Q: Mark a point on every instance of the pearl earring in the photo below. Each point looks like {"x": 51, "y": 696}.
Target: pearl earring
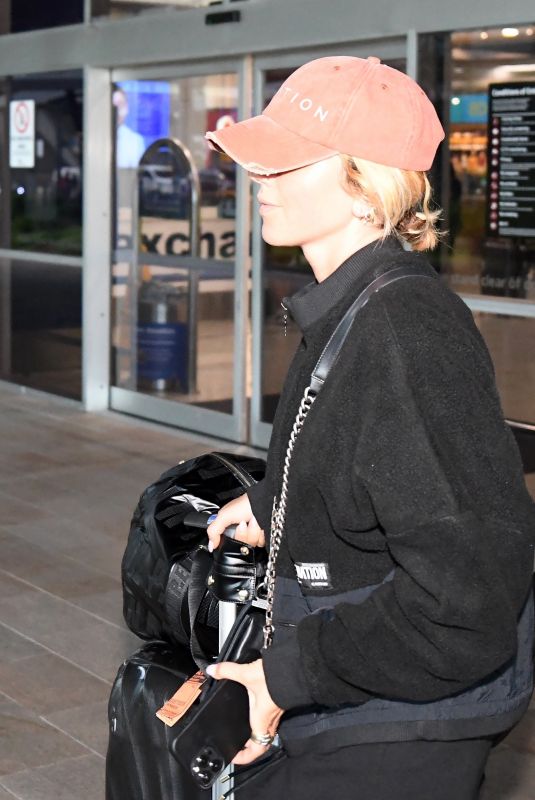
{"x": 368, "y": 216}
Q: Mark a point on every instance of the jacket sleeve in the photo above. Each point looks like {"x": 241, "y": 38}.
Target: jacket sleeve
{"x": 442, "y": 473}
{"x": 261, "y": 498}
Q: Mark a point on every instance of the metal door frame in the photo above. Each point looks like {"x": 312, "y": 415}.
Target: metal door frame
{"x": 386, "y": 49}
{"x": 183, "y": 415}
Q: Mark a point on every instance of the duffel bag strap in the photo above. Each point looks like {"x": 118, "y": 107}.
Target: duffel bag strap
{"x": 200, "y": 569}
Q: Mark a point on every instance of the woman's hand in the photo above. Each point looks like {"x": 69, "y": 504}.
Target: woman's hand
{"x": 264, "y": 715}
{"x": 237, "y": 512}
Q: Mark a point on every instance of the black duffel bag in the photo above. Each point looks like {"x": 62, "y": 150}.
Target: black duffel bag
{"x": 161, "y": 550}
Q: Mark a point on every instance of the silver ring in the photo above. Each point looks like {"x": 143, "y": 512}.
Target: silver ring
{"x": 263, "y": 739}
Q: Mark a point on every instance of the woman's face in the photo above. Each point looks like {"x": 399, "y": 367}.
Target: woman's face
{"x": 305, "y": 206}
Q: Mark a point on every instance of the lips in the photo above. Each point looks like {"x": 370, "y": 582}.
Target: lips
{"x": 263, "y": 202}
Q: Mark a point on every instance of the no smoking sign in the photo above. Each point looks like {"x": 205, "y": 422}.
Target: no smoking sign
{"x": 22, "y": 134}
{"x": 22, "y": 116}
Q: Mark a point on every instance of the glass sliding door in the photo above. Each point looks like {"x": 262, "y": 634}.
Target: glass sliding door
{"x": 41, "y": 182}
{"x": 177, "y": 345}
{"x": 483, "y": 82}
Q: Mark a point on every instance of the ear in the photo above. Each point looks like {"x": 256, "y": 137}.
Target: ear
{"x": 362, "y": 211}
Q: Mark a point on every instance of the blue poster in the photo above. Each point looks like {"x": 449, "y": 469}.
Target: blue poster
{"x": 163, "y": 352}
{"x": 469, "y": 108}
{"x": 143, "y": 115}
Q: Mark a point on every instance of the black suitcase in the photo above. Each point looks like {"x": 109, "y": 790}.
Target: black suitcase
{"x": 139, "y": 765}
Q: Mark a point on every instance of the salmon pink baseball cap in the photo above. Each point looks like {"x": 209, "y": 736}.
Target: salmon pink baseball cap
{"x": 333, "y": 105}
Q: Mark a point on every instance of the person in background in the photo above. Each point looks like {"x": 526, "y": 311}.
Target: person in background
{"x": 130, "y": 144}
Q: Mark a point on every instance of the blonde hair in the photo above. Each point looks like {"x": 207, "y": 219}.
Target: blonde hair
{"x": 399, "y": 201}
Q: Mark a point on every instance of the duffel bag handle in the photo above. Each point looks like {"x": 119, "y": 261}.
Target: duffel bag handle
{"x": 237, "y": 566}
{"x": 230, "y": 573}
{"x": 237, "y": 569}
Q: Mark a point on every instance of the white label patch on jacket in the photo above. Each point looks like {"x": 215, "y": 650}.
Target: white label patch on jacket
{"x": 313, "y": 576}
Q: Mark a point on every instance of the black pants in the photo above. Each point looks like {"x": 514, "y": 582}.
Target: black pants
{"x": 395, "y": 771}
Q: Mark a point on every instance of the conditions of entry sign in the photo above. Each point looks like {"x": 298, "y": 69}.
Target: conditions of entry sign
{"x": 22, "y": 133}
{"x": 511, "y": 160}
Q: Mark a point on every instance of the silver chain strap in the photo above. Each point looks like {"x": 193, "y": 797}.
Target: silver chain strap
{"x": 278, "y": 515}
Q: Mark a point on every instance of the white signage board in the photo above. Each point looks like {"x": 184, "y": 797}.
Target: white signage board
{"x": 22, "y": 133}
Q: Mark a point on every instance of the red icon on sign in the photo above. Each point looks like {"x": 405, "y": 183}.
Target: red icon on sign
{"x": 22, "y": 117}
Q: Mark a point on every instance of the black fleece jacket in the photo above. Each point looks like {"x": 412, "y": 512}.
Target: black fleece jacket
{"x": 405, "y": 463}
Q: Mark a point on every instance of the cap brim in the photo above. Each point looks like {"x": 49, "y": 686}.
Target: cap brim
{"x": 264, "y": 147}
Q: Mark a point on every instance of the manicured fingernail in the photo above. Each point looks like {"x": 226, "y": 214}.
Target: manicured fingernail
{"x": 210, "y": 546}
{"x": 242, "y": 526}
{"x": 210, "y": 670}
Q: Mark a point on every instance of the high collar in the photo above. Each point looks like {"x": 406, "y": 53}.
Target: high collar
{"x": 314, "y": 300}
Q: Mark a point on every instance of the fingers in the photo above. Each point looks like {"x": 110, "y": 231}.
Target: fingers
{"x": 251, "y": 751}
{"x": 250, "y": 533}
{"x": 237, "y": 512}
{"x": 215, "y": 530}
{"x": 228, "y": 669}
{"x": 230, "y": 514}
{"x": 213, "y": 541}
{"x": 219, "y": 524}
{"x": 248, "y": 674}
{"x": 264, "y": 715}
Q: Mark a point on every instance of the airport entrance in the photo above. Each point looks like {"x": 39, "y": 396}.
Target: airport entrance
{"x": 179, "y": 271}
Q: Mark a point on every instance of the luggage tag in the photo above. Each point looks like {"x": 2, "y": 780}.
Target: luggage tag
{"x": 177, "y": 705}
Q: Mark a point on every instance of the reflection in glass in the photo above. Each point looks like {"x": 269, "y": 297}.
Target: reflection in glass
{"x": 511, "y": 341}
{"x": 40, "y": 326}
{"x": 42, "y": 205}
{"x": 173, "y": 276}
{"x": 457, "y": 70}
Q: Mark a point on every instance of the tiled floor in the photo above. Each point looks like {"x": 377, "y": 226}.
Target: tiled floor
{"x": 68, "y": 484}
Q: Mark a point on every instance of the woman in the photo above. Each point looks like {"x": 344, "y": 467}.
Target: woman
{"x": 403, "y": 615}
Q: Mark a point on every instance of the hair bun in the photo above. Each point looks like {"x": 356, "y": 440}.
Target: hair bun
{"x": 400, "y": 198}
{"x": 418, "y": 228}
